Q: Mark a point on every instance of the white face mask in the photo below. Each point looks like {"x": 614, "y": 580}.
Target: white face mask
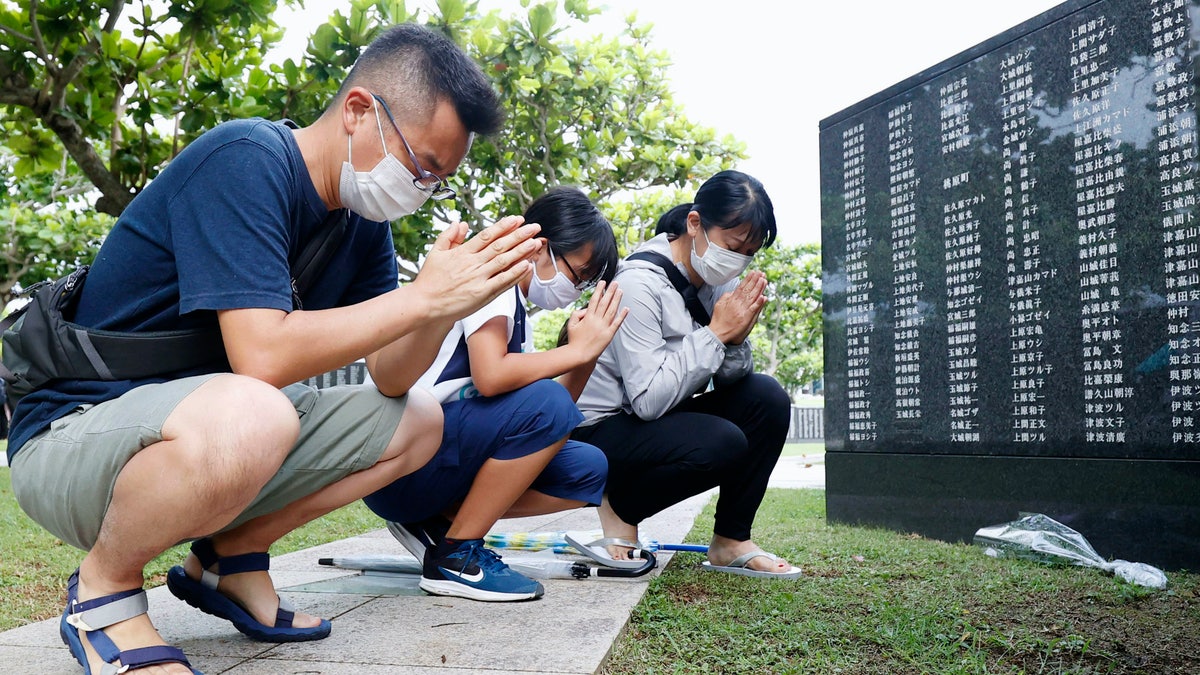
{"x": 557, "y": 293}
{"x": 718, "y": 265}
{"x": 386, "y": 192}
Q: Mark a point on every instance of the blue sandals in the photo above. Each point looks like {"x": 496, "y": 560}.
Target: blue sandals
{"x": 204, "y": 596}
{"x": 93, "y": 616}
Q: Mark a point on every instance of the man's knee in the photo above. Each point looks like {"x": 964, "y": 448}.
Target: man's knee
{"x": 240, "y": 405}
{"x": 243, "y": 418}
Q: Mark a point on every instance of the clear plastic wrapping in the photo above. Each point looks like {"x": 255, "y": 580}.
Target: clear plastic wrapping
{"x": 1038, "y": 537}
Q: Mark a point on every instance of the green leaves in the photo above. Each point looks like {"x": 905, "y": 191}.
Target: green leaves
{"x": 323, "y": 40}
{"x": 35, "y": 152}
{"x": 541, "y": 21}
{"x": 788, "y": 341}
{"x": 453, "y": 11}
{"x": 36, "y": 241}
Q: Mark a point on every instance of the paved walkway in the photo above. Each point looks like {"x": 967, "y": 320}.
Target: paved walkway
{"x": 402, "y": 631}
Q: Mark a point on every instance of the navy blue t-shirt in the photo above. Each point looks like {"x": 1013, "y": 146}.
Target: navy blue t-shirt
{"x": 215, "y": 230}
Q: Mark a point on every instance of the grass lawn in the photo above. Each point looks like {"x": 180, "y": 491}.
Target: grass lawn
{"x": 802, "y": 449}
{"x": 883, "y": 603}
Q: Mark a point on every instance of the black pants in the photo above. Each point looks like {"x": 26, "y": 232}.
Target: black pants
{"x": 730, "y": 438}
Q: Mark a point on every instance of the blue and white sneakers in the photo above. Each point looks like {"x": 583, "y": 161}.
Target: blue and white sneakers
{"x": 475, "y": 572}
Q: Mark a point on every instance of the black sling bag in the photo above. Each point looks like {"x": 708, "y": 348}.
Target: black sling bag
{"x": 691, "y": 299}
{"x": 42, "y": 344}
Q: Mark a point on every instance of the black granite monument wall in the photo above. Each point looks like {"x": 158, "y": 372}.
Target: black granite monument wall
{"x": 1012, "y": 286}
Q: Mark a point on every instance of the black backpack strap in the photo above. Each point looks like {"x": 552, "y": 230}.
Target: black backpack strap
{"x": 6, "y": 323}
{"x": 691, "y": 299}
{"x": 317, "y": 253}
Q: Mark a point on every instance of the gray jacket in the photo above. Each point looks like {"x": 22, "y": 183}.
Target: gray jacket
{"x": 660, "y": 356}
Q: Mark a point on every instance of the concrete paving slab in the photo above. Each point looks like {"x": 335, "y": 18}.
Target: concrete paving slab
{"x": 281, "y": 667}
{"x": 36, "y": 660}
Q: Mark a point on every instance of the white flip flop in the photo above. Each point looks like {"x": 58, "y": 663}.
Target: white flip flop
{"x": 740, "y": 565}
{"x": 597, "y": 550}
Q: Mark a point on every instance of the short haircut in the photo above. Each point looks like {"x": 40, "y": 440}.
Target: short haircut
{"x": 731, "y": 199}
{"x": 412, "y": 67}
{"x": 571, "y": 221}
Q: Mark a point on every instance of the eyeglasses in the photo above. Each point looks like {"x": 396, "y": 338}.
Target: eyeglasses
{"x": 429, "y": 182}
{"x": 580, "y": 283}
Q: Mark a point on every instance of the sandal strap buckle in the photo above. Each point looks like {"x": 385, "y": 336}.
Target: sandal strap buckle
{"x": 103, "y": 612}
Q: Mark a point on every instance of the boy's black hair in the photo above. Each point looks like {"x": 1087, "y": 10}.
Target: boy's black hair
{"x": 571, "y": 221}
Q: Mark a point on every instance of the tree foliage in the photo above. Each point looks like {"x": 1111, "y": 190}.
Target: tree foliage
{"x": 97, "y": 98}
{"x": 787, "y": 341}
{"x": 121, "y": 92}
{"x": 35, "y": 247}
{"x": 106, "y": 94}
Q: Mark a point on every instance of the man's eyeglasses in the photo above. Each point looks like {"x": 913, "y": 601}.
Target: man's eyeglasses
{"x": 429, "y": 182}
{"x": 580, "y": 283}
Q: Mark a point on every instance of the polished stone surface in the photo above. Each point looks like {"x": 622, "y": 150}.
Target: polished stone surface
{"x": 1011, "y": 257}
{"x": 1010, "y": 248}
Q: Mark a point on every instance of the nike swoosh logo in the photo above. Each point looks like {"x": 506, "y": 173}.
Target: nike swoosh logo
{"x": 470, "y": 578}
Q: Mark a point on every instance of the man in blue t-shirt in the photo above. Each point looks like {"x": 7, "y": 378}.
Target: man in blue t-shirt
{"x": 234, "y": 456}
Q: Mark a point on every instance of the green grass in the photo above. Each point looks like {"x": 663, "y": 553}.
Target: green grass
{"x": 875, "y": 601}
{"x": 800, "y": 449}
{"x": 35, "y": 564}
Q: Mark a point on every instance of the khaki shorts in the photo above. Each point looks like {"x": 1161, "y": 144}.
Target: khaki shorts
{"x": 64, "y": 477}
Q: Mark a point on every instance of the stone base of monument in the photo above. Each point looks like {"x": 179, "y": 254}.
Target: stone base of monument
{"x": 1138, "y": 510}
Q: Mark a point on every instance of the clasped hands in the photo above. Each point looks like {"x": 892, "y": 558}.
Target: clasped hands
{"x": 735, "y": 314}
{"x": 461, "y": 275}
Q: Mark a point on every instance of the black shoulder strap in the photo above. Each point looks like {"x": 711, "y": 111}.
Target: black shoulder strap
{"x": 319, "y": 250}
{"x": 317, "y": 254}
{"x": 691, "y": 299}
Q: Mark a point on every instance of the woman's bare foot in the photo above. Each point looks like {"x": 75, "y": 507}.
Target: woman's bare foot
{"x": 254, "y": 591}
{"x": 723, "y": 550}
{"x": 129, "y": 634}
{"x": 616, "y": 528}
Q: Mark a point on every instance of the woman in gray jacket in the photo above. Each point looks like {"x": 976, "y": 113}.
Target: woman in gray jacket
{"x": 674, "y": 402}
